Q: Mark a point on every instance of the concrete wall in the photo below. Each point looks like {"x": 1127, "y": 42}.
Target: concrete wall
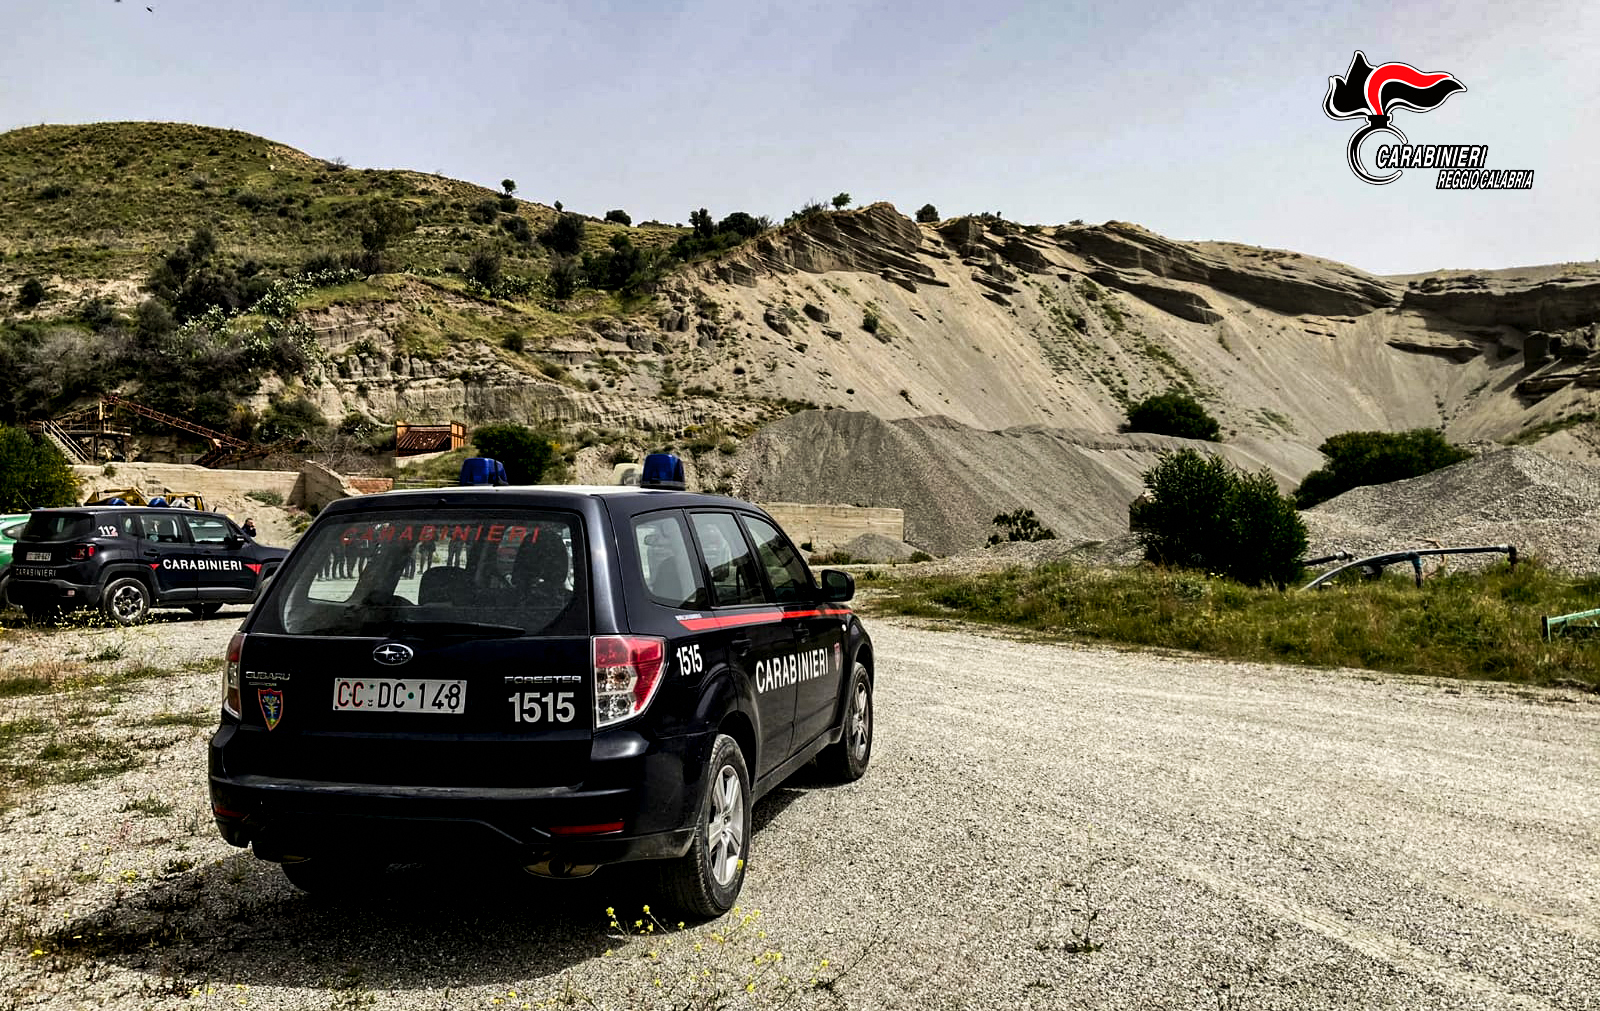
{"x": 157, "y": 478}
{"x": 832, "y": 526}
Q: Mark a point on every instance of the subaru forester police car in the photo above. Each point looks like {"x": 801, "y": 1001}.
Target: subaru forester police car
{"x": 554, "y": 677}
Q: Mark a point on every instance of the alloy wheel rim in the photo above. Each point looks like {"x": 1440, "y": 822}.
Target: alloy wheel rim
{"x": 860, "y": 722}
{"x": 725, "y": 826}
{"x": 126, "y": 603}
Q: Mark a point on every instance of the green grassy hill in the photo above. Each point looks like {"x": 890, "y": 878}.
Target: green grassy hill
{"x": 100, "y": 202}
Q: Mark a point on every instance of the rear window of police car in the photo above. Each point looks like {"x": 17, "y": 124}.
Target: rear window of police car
{"x": 508, "y": 571}
{"x": 58, "y": 527}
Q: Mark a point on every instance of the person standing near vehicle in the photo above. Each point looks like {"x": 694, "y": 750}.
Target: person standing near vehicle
{"x": 249, "y": 528}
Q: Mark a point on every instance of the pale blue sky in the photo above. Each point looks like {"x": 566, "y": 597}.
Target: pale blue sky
{"x": 1198, "y": 121}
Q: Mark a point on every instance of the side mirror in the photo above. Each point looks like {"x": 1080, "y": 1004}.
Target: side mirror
{"x": 837, "y": 586}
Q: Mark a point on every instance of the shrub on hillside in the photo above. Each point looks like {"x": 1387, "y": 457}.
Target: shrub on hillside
{"x": 524, "y": 452}
{"x": 33, "y": 473}
{"x": 927, "y": 214}
{"x": 1202, "y": 513}
{"x": 1173, "y": 413}
{"x": 1363, "y": 458}
{"x": 619, "y": 216}
{"x": 32, "y": 293}
{"x": 483, "y": 268}
{"x": 564, "y": 277}
{"x": 1021, "y": 525}
{"x": 294, "y": 418}
{"x": 565, "y": 234}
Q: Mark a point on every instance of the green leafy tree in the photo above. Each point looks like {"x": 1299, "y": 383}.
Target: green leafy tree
{"x": 1199, "y": 512}
{"x": 620, "y": 216}
{"x": 33, "y": 473}
{"x": 841, "y": 201}
{"x": 1173, "y": 413}
{"x": 1021, "y": 525}
{"x": 565, "y": 234}
{"x": 509, "y": 186}
{"x": 700, "y": 221}
{"x": 927, "y": 214}
{"x": 741, "y": 224}
{"x": 1362, "y": 458}
{"x": 524, "y": 452}
{"x": 383, "y": 222}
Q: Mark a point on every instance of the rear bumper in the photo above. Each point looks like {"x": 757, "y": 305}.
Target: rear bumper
{"x": 652, "y": 788}
{"x": 51, "y": 593}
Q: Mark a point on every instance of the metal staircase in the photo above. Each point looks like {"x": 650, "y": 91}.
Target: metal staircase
{"x": 61, "y": 440}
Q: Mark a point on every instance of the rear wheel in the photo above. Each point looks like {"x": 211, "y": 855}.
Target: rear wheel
{"x": 847, "y": 760}
{"x": 706, "y": 880}
{"x": 126, "y": 601}
{"x": 204, "y": 610}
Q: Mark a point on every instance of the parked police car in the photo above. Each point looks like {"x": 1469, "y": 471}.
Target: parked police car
{"x": 559, "y": 677}
{"x": 128, "y": 559}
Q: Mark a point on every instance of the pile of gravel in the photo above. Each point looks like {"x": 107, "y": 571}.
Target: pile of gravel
{"x": 870, "y": 547}
{"x": 1549, "y": 509}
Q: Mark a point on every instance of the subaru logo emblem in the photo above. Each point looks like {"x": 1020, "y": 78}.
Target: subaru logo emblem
{"x": 392, "y": 654}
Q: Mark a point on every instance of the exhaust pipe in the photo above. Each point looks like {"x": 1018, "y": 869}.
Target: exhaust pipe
{"x": 556, "y": 867}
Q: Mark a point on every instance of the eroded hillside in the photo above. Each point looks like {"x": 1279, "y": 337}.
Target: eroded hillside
{"x": 1004, "y": 354}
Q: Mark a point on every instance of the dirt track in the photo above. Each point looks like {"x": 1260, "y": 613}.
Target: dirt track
{"x": 1218, "y": 834}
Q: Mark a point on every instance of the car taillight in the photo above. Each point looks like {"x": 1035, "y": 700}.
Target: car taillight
{"x": 627, "y": 671}
{"x": 82, "y": 552}
{"x": 230, "y": 676}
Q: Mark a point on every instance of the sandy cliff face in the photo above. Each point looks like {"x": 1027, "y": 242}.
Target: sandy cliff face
{"x": 981, "y": 361}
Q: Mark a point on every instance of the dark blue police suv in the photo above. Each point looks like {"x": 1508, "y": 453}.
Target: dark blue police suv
{"x": 559, "y": 677}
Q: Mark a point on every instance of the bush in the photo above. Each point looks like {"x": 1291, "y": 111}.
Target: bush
{"x": 841, "y": 201}
{"x": 485, "y": 211}
{"x": 32, "y": 293}
{"x": 1362, "y": 458}
{"x": 1173, "y": 414}
{"x": 292, "y": 419}
{"x": 1201, "y": 513}
{"x": 870, "y": 322}
{"x": 517, "y": 227}
{"x": 33, "y": 473}
{"x": 619, "y": 216}
{"x": 564, "y": 276}
{"x": 1021, "y": 525}
{"x": 484, "y": 267}
{"x": 927, "y": 213}
{"x": 565, "y": 235}
{"x": 742, "y": 224}
{"x": 524, "y": 453}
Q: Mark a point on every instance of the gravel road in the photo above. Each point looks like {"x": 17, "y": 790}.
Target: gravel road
{"x": 1043, "y": 826}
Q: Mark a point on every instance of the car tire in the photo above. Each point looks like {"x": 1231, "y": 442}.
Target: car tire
{"x": 846, "y": 761}
{"x": 705, "y": 881}
{"x": 125, "y": 601}
{"x": 204, "y": 610}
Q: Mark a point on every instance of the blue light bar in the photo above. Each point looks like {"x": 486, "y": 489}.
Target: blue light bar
{"x": 663, "y": 470}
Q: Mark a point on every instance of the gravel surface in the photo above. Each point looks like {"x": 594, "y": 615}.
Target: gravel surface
{"x": 1042, "y": 826}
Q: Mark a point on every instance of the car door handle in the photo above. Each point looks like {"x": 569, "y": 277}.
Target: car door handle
{"x": 741, "y": 645}
{"x": 151, "y": 553}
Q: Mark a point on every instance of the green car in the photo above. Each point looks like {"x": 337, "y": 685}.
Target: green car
{"x": 10, "y": 529}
